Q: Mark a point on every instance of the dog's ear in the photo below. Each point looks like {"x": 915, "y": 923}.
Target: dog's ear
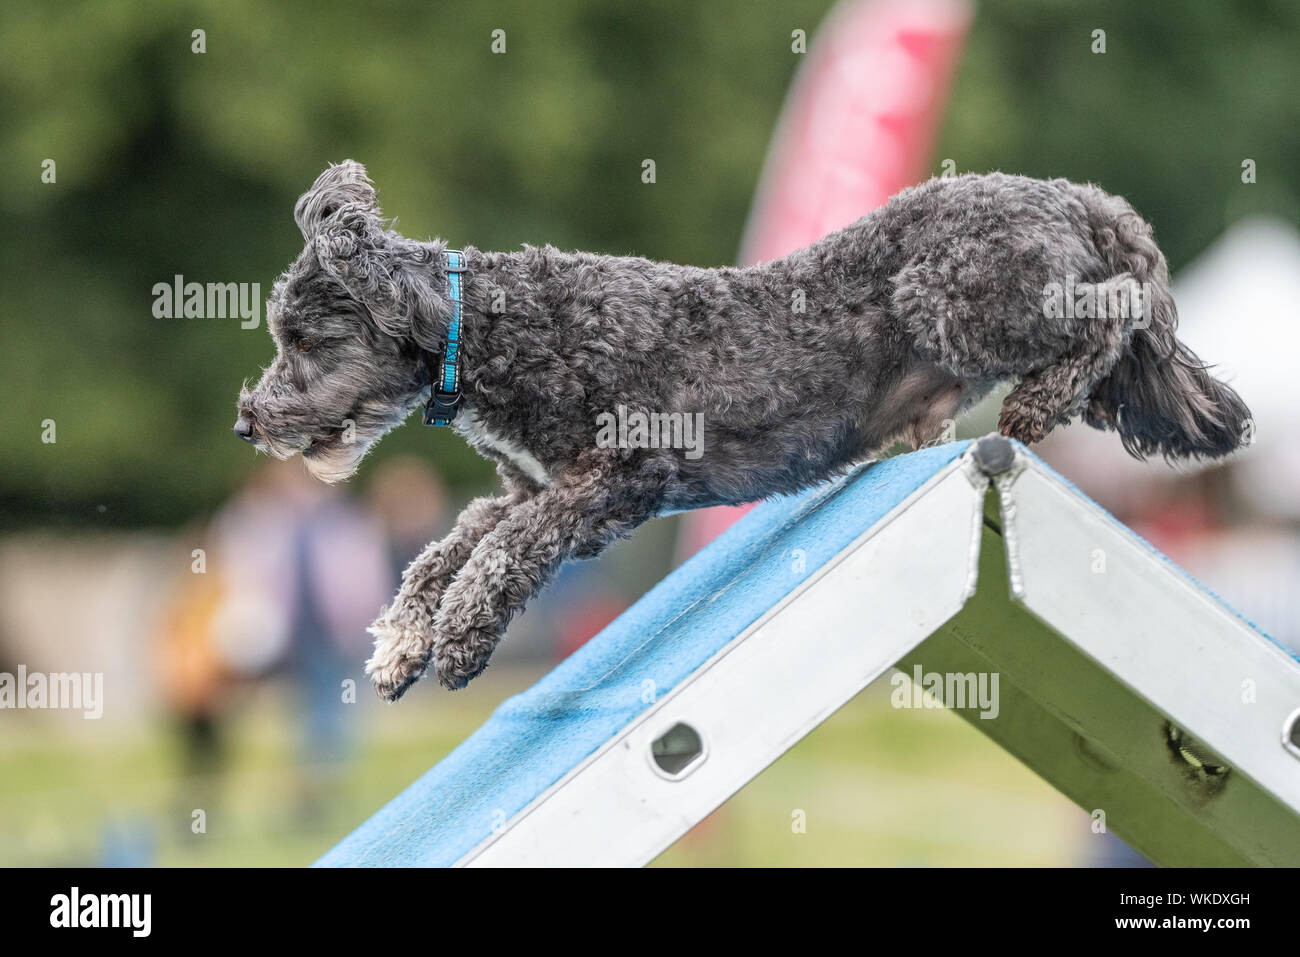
{"x": 342, "y": 185}
{"x": 393, "y": 277}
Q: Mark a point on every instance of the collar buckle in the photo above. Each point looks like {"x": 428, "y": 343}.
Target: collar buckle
{"x": 441, "y": 407}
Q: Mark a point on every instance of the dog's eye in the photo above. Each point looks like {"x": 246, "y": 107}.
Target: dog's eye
{"x": 307, "y": 344}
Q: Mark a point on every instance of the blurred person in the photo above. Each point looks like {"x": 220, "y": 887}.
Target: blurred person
{"x": 195, "y": 683}
{"x": 305, "y": 568}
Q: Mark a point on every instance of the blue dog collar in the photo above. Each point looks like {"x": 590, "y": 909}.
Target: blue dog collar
{"x": 444, "y": 394}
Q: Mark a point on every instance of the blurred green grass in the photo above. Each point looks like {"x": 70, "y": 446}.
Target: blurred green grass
{"x": 877, "y": 786}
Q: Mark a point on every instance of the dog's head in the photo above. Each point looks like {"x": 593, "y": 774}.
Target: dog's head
{"x": 351, "y": 320}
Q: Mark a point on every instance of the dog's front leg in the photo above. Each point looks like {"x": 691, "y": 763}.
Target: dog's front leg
{"x": 521, "y": 554}
{"x": 403, "y": 632}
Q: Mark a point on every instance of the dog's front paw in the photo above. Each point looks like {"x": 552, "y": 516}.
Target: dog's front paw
{"x": 466, "y": 635}
{"x": 400, "y": 658}
{"x": 461, "y": 660}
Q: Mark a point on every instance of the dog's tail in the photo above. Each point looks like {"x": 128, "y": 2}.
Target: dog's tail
{"x": 1159, "y": 396}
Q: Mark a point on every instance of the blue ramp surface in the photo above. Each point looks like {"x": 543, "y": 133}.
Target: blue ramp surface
{"x": 537, "y": 737}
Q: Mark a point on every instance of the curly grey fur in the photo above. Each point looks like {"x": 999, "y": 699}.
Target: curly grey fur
{"x": 800, "y": 367}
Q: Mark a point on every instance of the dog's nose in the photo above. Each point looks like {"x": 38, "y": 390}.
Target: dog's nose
{"x": 244, "y": 427}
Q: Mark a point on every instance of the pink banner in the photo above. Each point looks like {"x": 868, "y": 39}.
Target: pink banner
{"x": 858, "y": 126}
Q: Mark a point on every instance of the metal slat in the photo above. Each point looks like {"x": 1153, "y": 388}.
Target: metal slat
{"x": 1136, "y": 658}
{"x": 1082, "y": 729}
{"x": 760, "y": 694}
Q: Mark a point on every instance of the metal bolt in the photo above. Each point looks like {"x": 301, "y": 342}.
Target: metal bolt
{"x": 994, "y": 454}
{"x": 1291, "y": 733}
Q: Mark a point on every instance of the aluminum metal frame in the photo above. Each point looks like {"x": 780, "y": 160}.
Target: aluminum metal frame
{"x": 1132, "y": 689}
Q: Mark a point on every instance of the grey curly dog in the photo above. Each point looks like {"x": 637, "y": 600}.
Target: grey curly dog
{"x": 799, "y": 368}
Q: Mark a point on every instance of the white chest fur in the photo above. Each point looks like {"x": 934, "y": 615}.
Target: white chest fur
{"x": 479, "y": 436}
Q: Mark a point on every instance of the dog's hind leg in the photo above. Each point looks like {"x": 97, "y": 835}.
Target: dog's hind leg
{"x": 1039, "y": 402}
{"x": 1055, "y": 394}
{"x": 403, "y": 632}
{"x": 980, "y": 315}
{"x": 577, "y": 517}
